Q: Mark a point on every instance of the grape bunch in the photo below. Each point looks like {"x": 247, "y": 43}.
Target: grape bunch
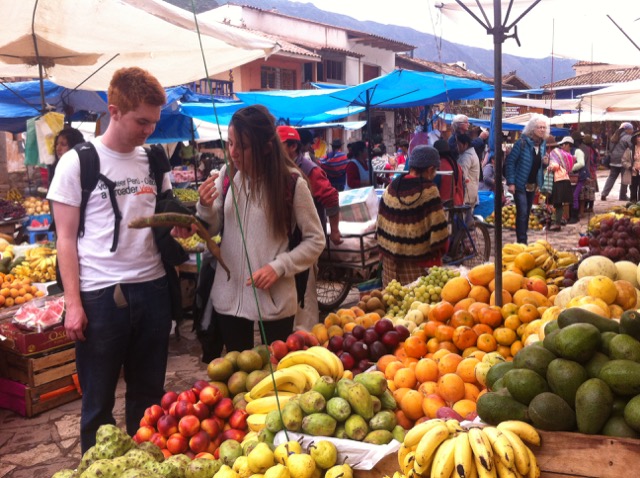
{"x": 427, "y": 289}
{"x": 11, "y": 210}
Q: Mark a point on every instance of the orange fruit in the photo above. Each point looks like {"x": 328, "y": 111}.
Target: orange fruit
{"x": 399, "y": 394}
{"x": 448, "y": 345}
{"x": 444, "y": 332}
{"x": 432, "y": 345}
{"x": 487, "y": 343}
{"x": 491, "y": 316}
{"x": 505, "y": 336}
{"x": 515, "y": 347}
{"x": 478, "y": 354}
{"x": 405, "y": 378}
{"x": 411, "y": 404}
{"x": 403, "y": 420}
{"x": 438, "y": 354}
{"x": 466, "y": 369}
{"x": 528, "y": 313}
{"x": 19, "y": 300}
{"x": 449, "y": 363}
{"x": 451, "y": 387}
{"x": 14, "y": 293}
{"x": 471, "y": 391}
{"x": 442, "y": 311}
{"x": 430, "y": 328}
{"x": 479, "y": 293}
{"x": 482, "y": 329}
{"x": 8, "y": 302}
{"x": 5, "y": 292}
{"x": 431, "y": 404}
{"x": 464, "y": 407}
{"x": 400, "y": 352}
{"x": 509, "y": 309}
{"x": 512, "y": 322}
{"x": 461, "y": 317}
{"x": 385, "y": 360}
{"x": 464, "y": 337}
{"x": 427, "y": 370}
{"x": 504, "y": 350}
{"x": 415, "y": 347}
{"x": 463, "y": 304}
{"x": 392, "y": 368}
{"x": 427, "y": 388}
{"x": 506, "y": 297}
{"x": 469, "y": 351}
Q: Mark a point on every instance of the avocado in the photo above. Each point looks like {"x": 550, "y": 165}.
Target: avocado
{"x": 605, "y": 342}
{"x": 498, "y": 385}
{"x": 578, "y": 342}
{"x": 632, "y": 413}
{"x": 630, "y": 323}
{"x": 576, "y": 315}
{"x": 534, "y": 358}
{"x": 622, "y": 376}
{"x": 524, "y": 384}
{"x": 594, "y": 403}
{"x": 551, "y": 326}
{"x": 496, "y": 372}
{"x": 564, "y": 377}
{"x": 617, "y": 427}
{"x": 549, "y": 342}
{"x": 595, "y": 363}
{"x": 618, "y": 405}
{"x": 496, "y": 407}
{"x": 624, "y": 346}
{"x": 549, "y": 411}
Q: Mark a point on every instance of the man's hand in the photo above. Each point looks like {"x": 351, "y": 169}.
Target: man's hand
{"x": 263, "y": 278}
{"x": 511, "y": 188}
{"x": 75, "y": 321}
{"x": 184, "y": 232}
{"x": 335, "y": 237}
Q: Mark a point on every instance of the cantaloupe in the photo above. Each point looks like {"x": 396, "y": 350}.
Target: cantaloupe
{"x": 597, "y": 265}
{"x": 628, "y": 271}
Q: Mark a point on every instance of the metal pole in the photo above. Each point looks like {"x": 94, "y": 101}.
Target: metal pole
{"x": 369, "y": 146}
{"x": 498, "y": 38}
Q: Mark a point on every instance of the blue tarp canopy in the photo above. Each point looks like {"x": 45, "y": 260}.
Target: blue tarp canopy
{"x": 506, "y": 126}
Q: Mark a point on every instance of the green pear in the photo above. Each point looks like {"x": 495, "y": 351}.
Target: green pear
{"x": 282, "y": 451}
{"x": 261, "y": 458}
{"x": 301, "y": 465}
{"x": 277, "y": 471}
{"x": 324, "y": 453}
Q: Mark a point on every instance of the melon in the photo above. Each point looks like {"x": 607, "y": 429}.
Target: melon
{"x": 597, "y": 265}
{"x": 563, "y": 298}
{"x": 455, "y": 290}
{"x": 482, "y": 274}
{"x": 628, "y": 271}
{"x": 579, "y": 288}
{"x": 603, "y": 288}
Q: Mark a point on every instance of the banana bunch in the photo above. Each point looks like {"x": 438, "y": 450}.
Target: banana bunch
{"x": 296, "y": 379}
{"x": 594, "y": 222}
{"x": 546, "y": 256}
{"x": 14, "y": 195}
{"x": 25, "y": 271}
{"x": 323, "y": 360}
{"x": 443, "y": 449}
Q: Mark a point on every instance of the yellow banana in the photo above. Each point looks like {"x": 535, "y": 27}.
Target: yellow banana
{"x": 482, "y": 472}
{"x": 520, "y": 454}
{"x": 256, "y": 422}
{"x": 266, "y": 404}
{"x": 523, "y": 429}
{"x": 430, "y": 442}
{"x": 402, "y": 454}
{"x": 407, "y": 464}
{"x": 502, "y": 449}
{"x": 305, "y": 357}
{"x": 534, "y": 469}
{"x": 481, "y": 449}
{"x": 443, "y": 461}
{"x": 291, "y": 380}
{"x": 454, "y": 426}
{"x": 413, "y": 436}
{"x": 508, "y": 257}
{"x": 567, "y": 261}
{"x": 424, "y": 469}
{"x": 503, "y": 471}
{"x": 541, "y": 259}
{"x": 310, "y": 373}
{"x": 463, "y": 456}
{"x": 328, "y": 357}
{"x": 513, "y": 248}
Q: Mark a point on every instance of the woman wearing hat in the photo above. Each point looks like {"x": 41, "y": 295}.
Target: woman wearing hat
{"x": 620, "y": 142}
{"x": 412, "y": 228}
{"x": 561, "y": 163}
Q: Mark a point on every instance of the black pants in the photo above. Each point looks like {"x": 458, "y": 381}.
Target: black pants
{"x": 237, "y": 333}
{"x": 634, "y": 193}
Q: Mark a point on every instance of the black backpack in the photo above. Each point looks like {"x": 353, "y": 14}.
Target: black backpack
{"x": 173, "y": 254}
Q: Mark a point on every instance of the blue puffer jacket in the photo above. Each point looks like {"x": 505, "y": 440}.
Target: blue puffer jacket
{"x": 520, "y": 160}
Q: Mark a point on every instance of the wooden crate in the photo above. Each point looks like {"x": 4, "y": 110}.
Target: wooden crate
{"x": 574, "y": 455}
{"x": 38, "y": 370}
{"x": 29, "y": 401}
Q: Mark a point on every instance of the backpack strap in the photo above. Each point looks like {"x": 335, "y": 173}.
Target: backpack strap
{"x": 158, "y": 165}
{"x": 89, "y": 176}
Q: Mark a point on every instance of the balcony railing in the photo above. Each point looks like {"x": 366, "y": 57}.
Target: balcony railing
{"x": 219, "y": 88}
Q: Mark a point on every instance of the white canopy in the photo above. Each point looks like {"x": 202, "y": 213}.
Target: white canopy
{"x": 545, "y": 104}
{"x": 595, "y": 117}
{"x": 616, "y": 98}
{"x": 90, "y": 39}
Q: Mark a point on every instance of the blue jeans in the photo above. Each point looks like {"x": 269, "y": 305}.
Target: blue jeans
{"x": 134, "y": 337}
{"x": 524, "y": 202}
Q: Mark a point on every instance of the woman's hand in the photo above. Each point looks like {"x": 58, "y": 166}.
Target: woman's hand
{"x": 207, "y": 190}
{"x": 263, "y": 278}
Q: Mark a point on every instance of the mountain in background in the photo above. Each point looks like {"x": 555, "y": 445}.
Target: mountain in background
{"x": 534, "y": 71}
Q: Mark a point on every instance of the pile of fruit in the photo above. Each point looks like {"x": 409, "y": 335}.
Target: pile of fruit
{"x": 537, "y": 219}
{"x": 14, "y": 195}
{"x": 585, "y": 377}
{"x": 538, "y": 258}
{"x": 10, "y": 210}
{"x": 192, "y": 243}
{"x": 38, "y": 264}
{"x": 14, "y": 291}
{"x": 443, "y": 448}
{"x": 34, "y": 206}
{"x": 615, "y": 238}
{"x": 186, "y": 195}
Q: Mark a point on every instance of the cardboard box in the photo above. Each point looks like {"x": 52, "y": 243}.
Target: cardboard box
{"x": 30, "y": 343}
{"x": 29, "y": 401}
{"x": 40, "y": 369}
{"x": 358, "y": 205}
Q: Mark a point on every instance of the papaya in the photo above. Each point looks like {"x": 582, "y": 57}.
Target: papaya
{"x": 577, "y": 315}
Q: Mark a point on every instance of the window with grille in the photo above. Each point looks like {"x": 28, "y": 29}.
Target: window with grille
{"x": 277, "y": 78}
{"x": 334, "y": 70}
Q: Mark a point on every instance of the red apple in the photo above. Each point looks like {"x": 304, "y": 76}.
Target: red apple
{"x": 279, "y": 349}
{"x": 359, "y": 350}
{"x": 215, "y": 443}
{"x": 199, "y": 443}
{"x": 167, "y": 425}
{"x": 152, "y": 414}
{"x": 233, "y": 434}
{"x": 238, "y": 419}
{"x": 166, "y": 453}
{"x": 210, "y": 395}
{"x": 143, "y": 422}
{"x": 188, "y": 395}
{"x": 537, "y": 284}
{"x": 382, "y": 326}
{"x": 198, "y": 385}
{"x": 224, "y": 408}
{"x": 158, "y": 440}
{"x": 377, "y": 350}
{"x": 336, "y": 343}
{"x": 206, "y": 455}
{"x": 183, "y": 408}
{"x": 358, "y": 331}
{"x": 145, "y": 433}
{"x": 311, "y": 340}
{"x": 391, "y": 339}
{"x": 347, "y": 341}
{"x": 189, "y": 454}
{"x": 370, "y": 336}
{"x": 189, "y": 425}
{"x": 221, "y": 421}
{"x": 201, "y": 410}
{"x": 167, "y": 399}
{"x": 295, "y": 342}
{"x": 211, "y": 427}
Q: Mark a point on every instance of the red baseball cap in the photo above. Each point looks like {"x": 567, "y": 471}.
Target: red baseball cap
{"x": 288, "y": 133}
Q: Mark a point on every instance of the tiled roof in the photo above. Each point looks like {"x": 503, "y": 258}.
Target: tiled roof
{"x": 604, "y": 77}
{"x": 287, "y": 46}
{"x": 444, "y": 68}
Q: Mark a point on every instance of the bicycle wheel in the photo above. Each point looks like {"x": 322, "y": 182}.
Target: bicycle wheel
{"x": 472, "y": 245}
{"x": 333, "y": 286}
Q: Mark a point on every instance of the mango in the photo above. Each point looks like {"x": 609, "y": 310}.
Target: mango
{"x": 339, "y": 409}
{"x": 378, "y": 437}
{"x": 360, "y": 400}
{"x": 319, "y": 424}
{"x": 374, "y": 382}
{"x": 384, "y": 420}
{"x": 292, "y": 416}
{"x": 356, "y": 428}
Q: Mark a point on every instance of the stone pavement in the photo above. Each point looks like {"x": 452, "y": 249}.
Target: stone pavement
{"x": 38, "y": 447}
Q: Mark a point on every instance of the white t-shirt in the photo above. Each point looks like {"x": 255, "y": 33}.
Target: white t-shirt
{"x": 136, "y": 258}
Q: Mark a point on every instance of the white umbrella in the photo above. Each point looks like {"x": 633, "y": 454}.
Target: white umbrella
{"x": 84, "y": 42}
{"x": 620, "y": 97}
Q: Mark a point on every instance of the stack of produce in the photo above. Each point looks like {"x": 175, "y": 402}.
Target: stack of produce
{"x": 34, "y": 206}
{"x": 585, "y": 377}
{"x": 537, "y": 258}
{"x": 186, "y": 195}
{"x": 37, "y": 265}
{"x": 442, "y": 449}
{"x": 537, "y": 219}
{"x": 615, "y": 238}
{"x": 10, "y": 210}
{"x": 193, "y": 243}
{"x": 14, "y": 291}
{"x": 338, "y": 323}
{"x": 14, "y": 195}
